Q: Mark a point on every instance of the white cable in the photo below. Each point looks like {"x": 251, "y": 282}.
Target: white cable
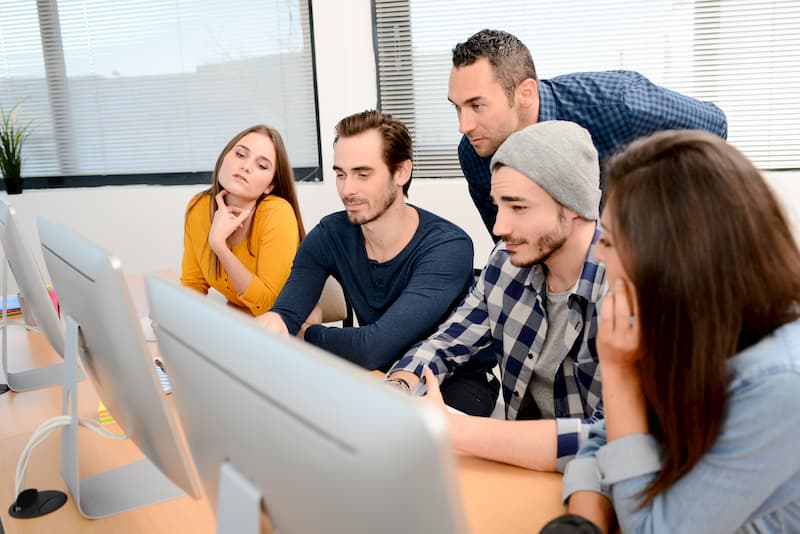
{"x": 97, "y": 427}
{"x": 43, "y": 431}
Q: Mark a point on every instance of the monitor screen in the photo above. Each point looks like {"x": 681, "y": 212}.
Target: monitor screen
{"x": 93, "y": 293}
{"x": 326, "y": 446}
{"x": 32, "y": 287}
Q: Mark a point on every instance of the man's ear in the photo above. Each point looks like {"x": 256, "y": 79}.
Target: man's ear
{"x": 527, "y": 93}
{"x": 403, "y": 173}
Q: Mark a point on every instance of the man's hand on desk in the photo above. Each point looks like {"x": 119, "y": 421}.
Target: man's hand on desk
{"x": 272, "y": 321}
{"x": 408, "y": 382}
{"x": 433, "y": 397}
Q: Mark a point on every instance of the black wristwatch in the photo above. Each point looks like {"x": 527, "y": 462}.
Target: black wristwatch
{"x": 399, "y": 383}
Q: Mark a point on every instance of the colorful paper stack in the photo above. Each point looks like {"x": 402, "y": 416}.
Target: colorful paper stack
{"x": 104, "y": 416}
{"x": 14, "y": 308}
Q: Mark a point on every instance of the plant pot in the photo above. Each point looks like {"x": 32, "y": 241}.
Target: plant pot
{"x": 14, "y": 186}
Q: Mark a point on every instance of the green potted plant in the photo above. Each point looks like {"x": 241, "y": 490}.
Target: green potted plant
{"x": 11, "y": 139}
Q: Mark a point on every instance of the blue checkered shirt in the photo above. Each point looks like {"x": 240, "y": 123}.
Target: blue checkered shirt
{"x": 506, "y": 308}
{"x": 615, "y": 107}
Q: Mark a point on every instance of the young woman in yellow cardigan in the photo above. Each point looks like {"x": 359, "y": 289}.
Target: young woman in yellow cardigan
{"x": 241, "y": 234}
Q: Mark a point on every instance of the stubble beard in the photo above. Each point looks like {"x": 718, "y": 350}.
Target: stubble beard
{"x": 547, "y": 244}
{"x": 362, "y": 219}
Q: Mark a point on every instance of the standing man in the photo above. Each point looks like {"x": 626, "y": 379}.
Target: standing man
{"x": 403, "y": 268}
{"x": 537, "y": 299}
{"x": 495, "y": 91}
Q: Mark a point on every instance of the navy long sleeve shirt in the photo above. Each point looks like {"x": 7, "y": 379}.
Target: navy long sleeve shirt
{"x": 396, "y": 303}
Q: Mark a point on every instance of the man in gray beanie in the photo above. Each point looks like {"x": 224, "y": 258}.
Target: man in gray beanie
{"x": 536, "y": 302}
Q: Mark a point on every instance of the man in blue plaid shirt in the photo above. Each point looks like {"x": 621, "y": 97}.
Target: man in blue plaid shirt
{"x": 495, "y": 91}
{"x": 536, "y": 303}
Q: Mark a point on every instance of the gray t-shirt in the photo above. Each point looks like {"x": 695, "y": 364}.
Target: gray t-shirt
{"x": 540, "y": 388}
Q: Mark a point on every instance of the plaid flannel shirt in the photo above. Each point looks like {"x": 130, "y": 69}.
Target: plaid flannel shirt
{"x": 615, "y": 107}
{"x": 505, "y": 307}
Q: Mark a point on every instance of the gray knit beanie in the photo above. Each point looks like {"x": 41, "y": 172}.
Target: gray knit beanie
{"x": 560, "y": 157}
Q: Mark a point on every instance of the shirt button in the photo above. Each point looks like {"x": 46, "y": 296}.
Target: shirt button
{"x": 378, "y": 283}
{"x": 516, "y": 393}
{"x": 530, "y": 355}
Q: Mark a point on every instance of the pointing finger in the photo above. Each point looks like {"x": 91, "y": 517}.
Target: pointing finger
{"x": 220, "y": 196}
{"x": 607, "y": 310}
{"x": 622, "y": 309}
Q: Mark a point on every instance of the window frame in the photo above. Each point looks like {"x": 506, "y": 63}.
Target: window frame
{"x": 302, "y": 174}
{"x": 709, "y": 50}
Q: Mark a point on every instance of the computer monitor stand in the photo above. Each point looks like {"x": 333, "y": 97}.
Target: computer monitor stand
{"x": 39, "y": 377}
{"x": 118, "y": 490}
{"x": 238, "y": 502}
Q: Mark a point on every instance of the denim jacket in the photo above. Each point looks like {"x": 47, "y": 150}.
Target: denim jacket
{"x": 749, "y": 481}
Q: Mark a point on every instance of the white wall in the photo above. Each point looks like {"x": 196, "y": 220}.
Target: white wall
{"x": 143, "y": 225}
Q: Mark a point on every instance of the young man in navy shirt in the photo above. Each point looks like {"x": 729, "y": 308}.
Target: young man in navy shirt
{"x": 403, "y": 268}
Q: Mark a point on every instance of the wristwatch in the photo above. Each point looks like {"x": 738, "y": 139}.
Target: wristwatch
{"x": 399, "y": 383}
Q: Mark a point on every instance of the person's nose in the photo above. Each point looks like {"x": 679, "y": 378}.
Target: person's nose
{"x": 502, "y": 226}
{"x": 466, "y": 121}
{"x": 347, "y": 187}
{"x": 599, "y": 254}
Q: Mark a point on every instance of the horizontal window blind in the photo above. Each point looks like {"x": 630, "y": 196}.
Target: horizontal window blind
{"x": 742, "y": 55}
{"x": 119, "y": 87}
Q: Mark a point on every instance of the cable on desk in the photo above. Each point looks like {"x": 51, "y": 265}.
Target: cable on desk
{"x": 27, "y": 497}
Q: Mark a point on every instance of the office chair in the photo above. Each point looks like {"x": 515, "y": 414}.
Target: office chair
{"x": 335, "y": 304}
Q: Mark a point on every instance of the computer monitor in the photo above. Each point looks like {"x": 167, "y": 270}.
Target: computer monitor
{"x": 325, "y": 446}
{"x": 38, "y": 303}
{"x": 103, "y": 329}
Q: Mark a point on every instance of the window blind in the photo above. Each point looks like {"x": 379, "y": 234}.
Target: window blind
{"x": 740, "y": 54}
{"x": 154, "y": 86}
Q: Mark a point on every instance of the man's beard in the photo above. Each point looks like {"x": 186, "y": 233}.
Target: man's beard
{"x": 361, "y": 219}
{"x": 548, "y": 244}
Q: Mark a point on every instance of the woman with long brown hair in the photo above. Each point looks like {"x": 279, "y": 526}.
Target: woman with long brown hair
{"x": 241, "y": 234}
{"x": 699, "y": 347}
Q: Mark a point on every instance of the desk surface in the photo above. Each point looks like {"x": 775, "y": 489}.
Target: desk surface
{"x": 21, "y": 413}
{"x": 496, "y": 497}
